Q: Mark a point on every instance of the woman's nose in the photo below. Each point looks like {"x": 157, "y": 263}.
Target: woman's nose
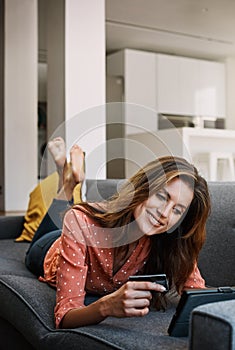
{"x": 165, "y": 210}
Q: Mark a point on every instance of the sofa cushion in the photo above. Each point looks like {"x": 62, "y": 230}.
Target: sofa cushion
{"x": 217, "y": 258}
{"x": 9, "y": 249}
{"x": 12, "y": 258}
{"x": 31, "y": 313}
{"x": 11, "y": 226}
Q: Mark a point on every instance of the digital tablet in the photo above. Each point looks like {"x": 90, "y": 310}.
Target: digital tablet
{"x": 191, "y": 298}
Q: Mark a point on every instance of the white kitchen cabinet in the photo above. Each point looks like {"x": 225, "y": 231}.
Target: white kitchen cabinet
{"x": 188, "y": 81}
{"x": 170, "y": 84}
{"x": 187, "y": 86}
{"x": 167, "y": 78}
{"x": 139, "y": 88}
{"x": 176, "y": 84}
{"x": 210, "y": 92}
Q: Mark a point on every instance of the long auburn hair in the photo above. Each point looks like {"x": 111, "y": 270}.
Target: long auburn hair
{"x": 173, "y": 253}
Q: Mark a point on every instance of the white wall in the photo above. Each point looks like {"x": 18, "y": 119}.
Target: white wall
{"x": 20, "y": 117}
{"x": 230, "y": 93}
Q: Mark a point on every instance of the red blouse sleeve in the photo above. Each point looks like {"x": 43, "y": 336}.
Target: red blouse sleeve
{"x": 72, "y": 269}
{"x": 195, "y": 280}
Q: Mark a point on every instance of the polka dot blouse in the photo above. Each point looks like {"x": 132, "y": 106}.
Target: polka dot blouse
{"x": 81, "y": 261}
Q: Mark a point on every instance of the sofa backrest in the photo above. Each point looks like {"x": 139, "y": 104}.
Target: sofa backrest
{"x": 217, "y": 258}
{"x": 98, "y": 190}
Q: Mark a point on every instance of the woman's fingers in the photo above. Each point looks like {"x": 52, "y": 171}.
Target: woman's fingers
{"x": 132, "y": 299}
{"x": 147, "y": 286}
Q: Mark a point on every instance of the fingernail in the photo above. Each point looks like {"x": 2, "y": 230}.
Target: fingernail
{"x": 162, "y": 289}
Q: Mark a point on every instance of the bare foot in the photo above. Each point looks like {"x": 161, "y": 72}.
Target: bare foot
{"x": 77, "y": 163}
{"x": 73, "y": 173}
{"x": 58, "y": 151}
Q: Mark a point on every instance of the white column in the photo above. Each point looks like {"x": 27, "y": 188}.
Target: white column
{"x": 76, "y": 78}
{"x": 20, "y": 101}
{"x": 85, "y": 81}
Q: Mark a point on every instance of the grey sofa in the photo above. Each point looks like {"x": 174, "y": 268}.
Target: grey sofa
{"x": 26, "y": 305}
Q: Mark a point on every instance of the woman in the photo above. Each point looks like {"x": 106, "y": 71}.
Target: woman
{"x": 155, "y": 224}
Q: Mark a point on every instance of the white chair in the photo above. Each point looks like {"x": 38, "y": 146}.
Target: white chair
{"x": 216, "y": 166}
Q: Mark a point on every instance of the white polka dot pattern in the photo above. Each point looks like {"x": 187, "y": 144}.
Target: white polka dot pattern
{"x": 195, "y": 280}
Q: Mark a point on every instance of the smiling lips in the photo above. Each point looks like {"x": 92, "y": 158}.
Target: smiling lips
{"x": 154, "y": 221}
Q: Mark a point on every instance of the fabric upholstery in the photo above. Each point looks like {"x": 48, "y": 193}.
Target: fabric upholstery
{"x": 33, "y": 303}
{"x": 11, "y": 226}
{"x": 99, "y": 190}
{"x": 218, "y": 252}
{"x": 12, "y": 258}
{"x": 213, "y": 326}
{"x": 10, "y": 336}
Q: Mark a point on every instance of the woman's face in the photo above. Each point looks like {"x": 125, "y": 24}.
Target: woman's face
{"x": 160, "y": 212}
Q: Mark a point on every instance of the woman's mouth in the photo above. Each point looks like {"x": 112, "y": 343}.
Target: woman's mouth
{"x": 154, "y": 221}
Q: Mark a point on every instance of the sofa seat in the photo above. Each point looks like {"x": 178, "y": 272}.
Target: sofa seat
{"x": 27, "y": 305}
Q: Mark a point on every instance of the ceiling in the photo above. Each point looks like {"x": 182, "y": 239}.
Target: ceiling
{"x": 196, "y": 28}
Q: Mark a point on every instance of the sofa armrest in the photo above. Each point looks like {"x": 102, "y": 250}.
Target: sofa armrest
{"x": 213, "y": 326}
{"x": 11, "y": 226}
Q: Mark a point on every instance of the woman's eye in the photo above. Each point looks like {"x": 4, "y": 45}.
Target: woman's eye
{"x": 177, "y": 211}
{"x": 161, "y": 196}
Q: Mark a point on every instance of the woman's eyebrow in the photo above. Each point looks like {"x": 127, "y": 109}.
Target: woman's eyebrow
{"x": 182, "y": 206}
{"x": 165, "y": 192}
{"x": 168, "y": 197}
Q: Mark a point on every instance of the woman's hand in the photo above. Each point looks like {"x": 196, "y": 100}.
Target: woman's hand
{"x": 132, "y": 299}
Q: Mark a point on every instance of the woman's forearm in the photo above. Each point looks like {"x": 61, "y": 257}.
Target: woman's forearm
{"x": 91, "y": 314}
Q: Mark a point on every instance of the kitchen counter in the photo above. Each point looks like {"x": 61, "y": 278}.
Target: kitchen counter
{"x": 186, "y": 142}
